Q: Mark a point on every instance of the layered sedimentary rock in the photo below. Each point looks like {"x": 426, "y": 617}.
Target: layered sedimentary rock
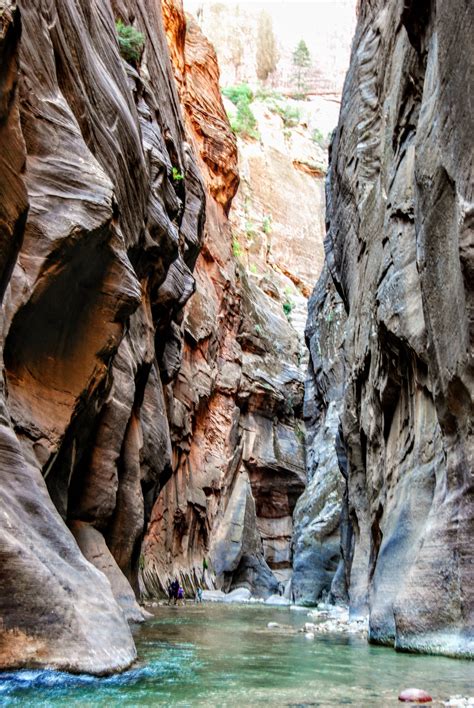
{"x": 103, "y": 208}
{"x": 224, "y": 519}
{"x": 399, "y": 249}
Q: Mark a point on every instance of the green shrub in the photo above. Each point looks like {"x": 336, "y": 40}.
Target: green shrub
{"x": 236, "y": 248}
{"x": 265, "y": 94}
{"x": 131, "y": 42}
{"x": 239, "y": 94}
{"x": 253, "y": 268}
{"x": 291, "y": 115}
{"x": 250, "y": 230}
{"x": 244, "y": 123}
{"x": 267, "y": 224}
{"x": 318, "y": 137}
{"x": 287, "y": 307}
{"x": 176, "y": 175}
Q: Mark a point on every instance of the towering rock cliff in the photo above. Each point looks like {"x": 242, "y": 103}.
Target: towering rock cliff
{"x": 103, "y": 211}
{"x": 139, "y": 439}
{"x": 224, "y": 519}
{"x": 399, "y": 252}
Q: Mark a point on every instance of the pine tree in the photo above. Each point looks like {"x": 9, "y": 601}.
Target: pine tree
{"x": 301, "y": 62}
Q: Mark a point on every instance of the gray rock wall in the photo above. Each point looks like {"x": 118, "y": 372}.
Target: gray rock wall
{"x": 317, "y": 516}
{"x": 399, "y": 249}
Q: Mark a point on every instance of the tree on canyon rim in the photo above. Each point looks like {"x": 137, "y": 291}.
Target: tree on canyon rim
{"x": 266, "y": 51}
{"x": 301, "y": 62}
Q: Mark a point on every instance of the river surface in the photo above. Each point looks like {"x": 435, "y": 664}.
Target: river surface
{"x": 225, "y": 655}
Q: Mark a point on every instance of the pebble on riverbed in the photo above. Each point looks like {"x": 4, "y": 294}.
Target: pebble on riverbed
{"x": 414, "y": 695}
{"x": 272, "y": 625}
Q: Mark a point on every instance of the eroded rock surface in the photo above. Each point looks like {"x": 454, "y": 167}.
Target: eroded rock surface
{"x": 318, "y": 568}
{"x": 105, "y": 238}
{"x": 224, "y": 519}
{"x": 399, "y": 248}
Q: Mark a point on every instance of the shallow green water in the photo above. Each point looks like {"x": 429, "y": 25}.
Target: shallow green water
{"x": 220, "y": 655}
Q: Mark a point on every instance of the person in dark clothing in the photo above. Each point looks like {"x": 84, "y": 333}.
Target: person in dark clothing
{"x": 175, "y": 589}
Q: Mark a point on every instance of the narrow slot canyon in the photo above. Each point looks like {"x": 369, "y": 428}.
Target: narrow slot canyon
{"x": 236, "y": 346}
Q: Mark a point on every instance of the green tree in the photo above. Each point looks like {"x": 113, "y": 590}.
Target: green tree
{"x": 266, "y": 52}
{"x": 301, "y": 62}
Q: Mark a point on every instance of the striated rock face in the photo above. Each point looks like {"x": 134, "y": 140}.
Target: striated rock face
{"x": 399, "y": 248}
{"x": 105, "y": 241}
{"x": 224, "y": 518}
{"x": 317, "y": 516}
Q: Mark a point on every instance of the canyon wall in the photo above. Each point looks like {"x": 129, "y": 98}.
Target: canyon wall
{"x": 224, "y": 519}
{"x": 102, "y": 208}
{"x": 399, "y": 253}
{"x": 140, "y": 439}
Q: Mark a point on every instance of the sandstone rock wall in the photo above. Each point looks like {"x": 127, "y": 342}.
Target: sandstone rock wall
{"x": 105, "y": 239}
{"x": 224, "y": 519}
{"x": 399, "y": 249}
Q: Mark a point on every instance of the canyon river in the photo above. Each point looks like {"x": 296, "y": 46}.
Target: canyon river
{"x": 225, "y": 655}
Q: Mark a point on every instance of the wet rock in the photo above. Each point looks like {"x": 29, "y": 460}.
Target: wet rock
{"x": 94, "y": 548}
{"x": 277, "y": 600}
{"x": 238, "y": 595}
{"x": 414, "y": 695}
{"x": 317, "y": 515}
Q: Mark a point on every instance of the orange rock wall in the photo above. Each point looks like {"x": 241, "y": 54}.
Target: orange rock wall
{"x": 214, "y": 398}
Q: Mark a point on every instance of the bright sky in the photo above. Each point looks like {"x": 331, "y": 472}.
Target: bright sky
{"x": 296, "y": 19}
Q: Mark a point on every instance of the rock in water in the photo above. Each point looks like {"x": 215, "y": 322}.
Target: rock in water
{"x": 414, "y": 695}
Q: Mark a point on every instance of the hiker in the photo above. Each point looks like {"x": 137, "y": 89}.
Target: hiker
{"x": 180, "y": 595}
{"x": 198, "y": 595}
{"x": 175, "y": 590}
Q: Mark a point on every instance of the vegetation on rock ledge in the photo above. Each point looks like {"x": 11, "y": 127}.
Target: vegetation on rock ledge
{"x": 131, "y": 42}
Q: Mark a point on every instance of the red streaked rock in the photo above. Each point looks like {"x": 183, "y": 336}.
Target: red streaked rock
{"x": 414, "y": 695}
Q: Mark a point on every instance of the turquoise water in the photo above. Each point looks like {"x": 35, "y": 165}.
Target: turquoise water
{"x": 221, "y": 655}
